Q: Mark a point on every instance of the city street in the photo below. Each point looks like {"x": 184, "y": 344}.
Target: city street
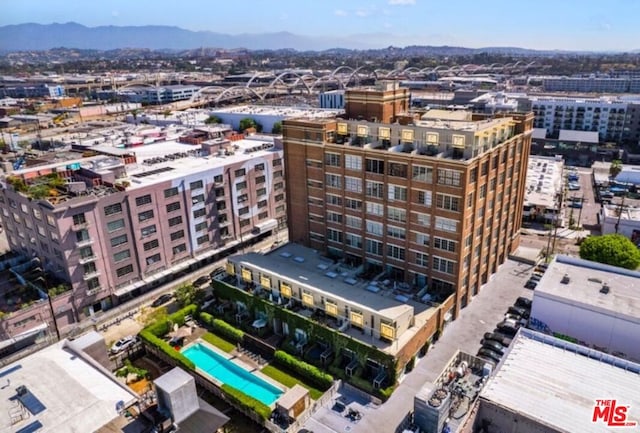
{"x": 465, "y": 333}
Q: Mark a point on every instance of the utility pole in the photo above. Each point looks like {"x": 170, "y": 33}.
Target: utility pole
{"x": 555, "y": 229}
{"x": 620, "y": 209}
{"x": 580, "y": 213}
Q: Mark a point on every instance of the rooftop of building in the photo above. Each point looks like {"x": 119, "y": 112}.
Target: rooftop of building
{"x": 626, "y": 213}
{"x": 599, "y": 287}
{"x": 544, "y": 181}
{"x": 590, "y": 137}
{"x": 71, "y": 394}
{"x": 557, "y": 383}
{"x": 274, "y": 110}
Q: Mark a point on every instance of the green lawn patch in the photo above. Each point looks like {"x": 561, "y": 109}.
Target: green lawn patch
{"x": 219, "y": 342}
{"x": 288, "y": 380}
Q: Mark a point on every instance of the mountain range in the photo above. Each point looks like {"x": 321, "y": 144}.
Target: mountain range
{"x": 37, "y": 37}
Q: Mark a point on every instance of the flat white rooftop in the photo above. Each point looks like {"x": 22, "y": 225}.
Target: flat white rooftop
{"x": 272, "y": 110}
{"x": 544, "y": 181}
{"x": 627, "y": 213}
{"x": 67, "y": 393}
{"x": 585, "y": 279}
{"x": 557, "y": 383}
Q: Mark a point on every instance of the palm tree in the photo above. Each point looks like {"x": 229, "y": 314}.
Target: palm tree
{"x": 616, "y": 168}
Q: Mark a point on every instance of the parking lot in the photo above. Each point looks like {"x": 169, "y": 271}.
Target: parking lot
{"x": 465, "y": 333}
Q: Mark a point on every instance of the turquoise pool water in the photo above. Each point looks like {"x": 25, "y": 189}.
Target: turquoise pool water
{"x": 231, "y": 374}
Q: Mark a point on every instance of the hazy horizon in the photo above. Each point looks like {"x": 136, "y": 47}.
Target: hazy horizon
{"x": 543, "y": 24}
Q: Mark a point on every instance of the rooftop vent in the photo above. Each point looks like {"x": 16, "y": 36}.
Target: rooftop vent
{"x": 565, "y": 279}
{"x": 605, "y": 289}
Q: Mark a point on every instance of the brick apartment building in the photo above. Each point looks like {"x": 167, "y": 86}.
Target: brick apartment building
{"x": 436, "y": 204}
{"x": 112, "y": 225}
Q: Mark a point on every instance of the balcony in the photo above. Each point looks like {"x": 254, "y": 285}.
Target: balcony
{"x": 91, "y": 274}
{"x": 84, "y": 242}
{"x": 95, "y": 291}
{"x": 87, "y": 259}
{"x": 80, "y": 225}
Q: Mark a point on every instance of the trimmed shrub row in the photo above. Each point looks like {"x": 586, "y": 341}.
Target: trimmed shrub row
{"x": 222, "y": 328}
{"x": 181, "y": 361}
{"x": 219, "y": 342}
{"x": 309, "y": 372}
{"x": 242, "y": 400}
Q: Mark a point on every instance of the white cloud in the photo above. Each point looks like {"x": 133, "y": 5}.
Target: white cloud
{"x": 402, "y": 2}
{"x": 340, "y": 13}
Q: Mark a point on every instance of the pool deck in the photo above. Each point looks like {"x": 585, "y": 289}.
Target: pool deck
{"x": 253, "y": 369}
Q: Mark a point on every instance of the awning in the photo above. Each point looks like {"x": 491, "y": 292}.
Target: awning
{"x": 267, "y": 225}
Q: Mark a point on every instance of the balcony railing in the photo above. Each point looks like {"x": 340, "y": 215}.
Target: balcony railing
{"x": 91, "y": 274}
{"x": 87, "y": 259}
{"x": 84, "y": 242}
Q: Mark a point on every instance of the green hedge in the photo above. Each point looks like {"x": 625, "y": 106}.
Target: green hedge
{"x": 176, "y": 356}
{"x": 222, "y": 328}
{"x": 289, "y": 380}
{"x": 363, "y": 384}
{"x": 242, "y": 400}
{"x": 302, "y": 369}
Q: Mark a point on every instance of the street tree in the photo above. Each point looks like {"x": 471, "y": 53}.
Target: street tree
{"x": 277, "y": 128}
{"x": 613, "y": 249}
{"x": 188, "y": 294}
{"x": 212, "y": 120}
{"x": 615, "y": 168}
{"x": 248, "y": 123}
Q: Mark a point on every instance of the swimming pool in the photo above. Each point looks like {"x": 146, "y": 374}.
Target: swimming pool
{"x": 230, "y": 373}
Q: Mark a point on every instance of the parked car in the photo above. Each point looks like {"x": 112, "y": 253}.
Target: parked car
{"x": 535, "y": 277}
{"x": 520, "y": 312}
{"x": 489, "y": 354}
{"x": 162, "y": 299}
{"x": 576, "y": 204}
{"x": 523, "y": 302}
{"x": 122, "y": 344}
{"x": 217, "y": 271}
{"x": 574, "y": 186}
{"x": 201, "y": 280}
{"x": 494, "y": 345}
{"x": 508, "y": 327}
{"x": 488, "y": 360}
{"x": 494, "y": 336}
{"x": 531, "y": 284}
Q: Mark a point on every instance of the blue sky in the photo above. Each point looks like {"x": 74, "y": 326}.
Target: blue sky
{"x": 541, "y": 24}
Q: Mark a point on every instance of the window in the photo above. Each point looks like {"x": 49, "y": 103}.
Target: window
{"x": 492, "y": 184}
{"x": 197, "y": 199}
{"x": 219, "y": 192}
{"x": 277, "y": 173}
{"x": 240, "y": 172}
{"x": 484, "y": 168}
{"x": 179, "y": 249}
{"x": 219, "y": 206}
{"x": 262, "y": 203}
{"x": 202, "y": 239}
{"x": 444, "y": 244}
{"x": 217, "y": 178}
{"x": 260, "y": 179}
{"x": 93, "y": 283}
{"x": 243, "y": 210}
{"x": 397, "y": 169}
{"x": 118, "y": 240}
{"x": 374, "y": 247}
{"x": 397, "y": 214}
{"x": 146, "y": 215}
{"x": 375, "y": 189}
{"x": 334, "y": 217}
{"x": 449, "y": 177}
{"x": 37, "y": 214}
{"x": 143, "y": 200}
{"x": 263, "y": 215}
{"x": 150, "y": 245}
{"x": 121, "y": 272}
{"x": 397, "y": 193}
{"x": 201, "y": 226}
{"x": 277, "y": 162}
{"x": 473, "y": 175}
{"x": 350, "y": 203}
{"x": 375, "y": 166}
{"x": 245, "y": 222}
{"x": 446, "y": 224}
{"x": 353, "y": 222}
{"x": 483, "y": 191}
{"x": 332, "y": 159}
{"x": 423, "y": 219}
{"x": 259, "y": 167}
{"x": 153, "y": 259}
{"x": 175, "y": 221}
{"x": 278, "y": 185}
{"x": 122, "y": 255}
{"x": 52, "y": 221}
{"x": 170, "y": 192}
{"x": 241, "y": 185}
{"x": 334, "y": 235}
{"x": 448, "y": 202}
{"x": 79, "y": 219}
{"x": 353, "y": 184}
{"x": 422, "y": 239}
{"x": 425, "y": 197}
{"x": 196, "y": 185}
{"x": 172, "y": 207}
{"x": 443, "y": 265}
{"x": 148, "y": 231}
{"x": 116, "y": 225}
{"x": 333, "y": 180}
{"x": 352, "y": 240}
{"x": 470, "y": 199}
{"x": 375, "y": 209}
{"x": 422, "y": 259}
{"x": 396, "y": 232}
{"x": 261, "y": 191}
{"x": 86, "y": 252}
{"x": 353, "y": 162}
{"x": 334, "y": 200}
{"x": 374, "y": 228}
{"x": 199, "y": 213}
{"x": 112, "y": 209}
{"x": 395, "y": 252}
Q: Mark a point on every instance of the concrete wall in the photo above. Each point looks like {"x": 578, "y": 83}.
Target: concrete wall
{"x": 500, "y": 420}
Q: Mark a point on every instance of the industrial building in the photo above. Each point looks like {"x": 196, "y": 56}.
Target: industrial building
{"x": 117, "y": 224}
{"x": 591, "y": 84}
{"x": 435, "y": 203}
{"x": 545, "y": 385}
{"x": 544, "y": 186}
{"x": 591, "y": 304}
